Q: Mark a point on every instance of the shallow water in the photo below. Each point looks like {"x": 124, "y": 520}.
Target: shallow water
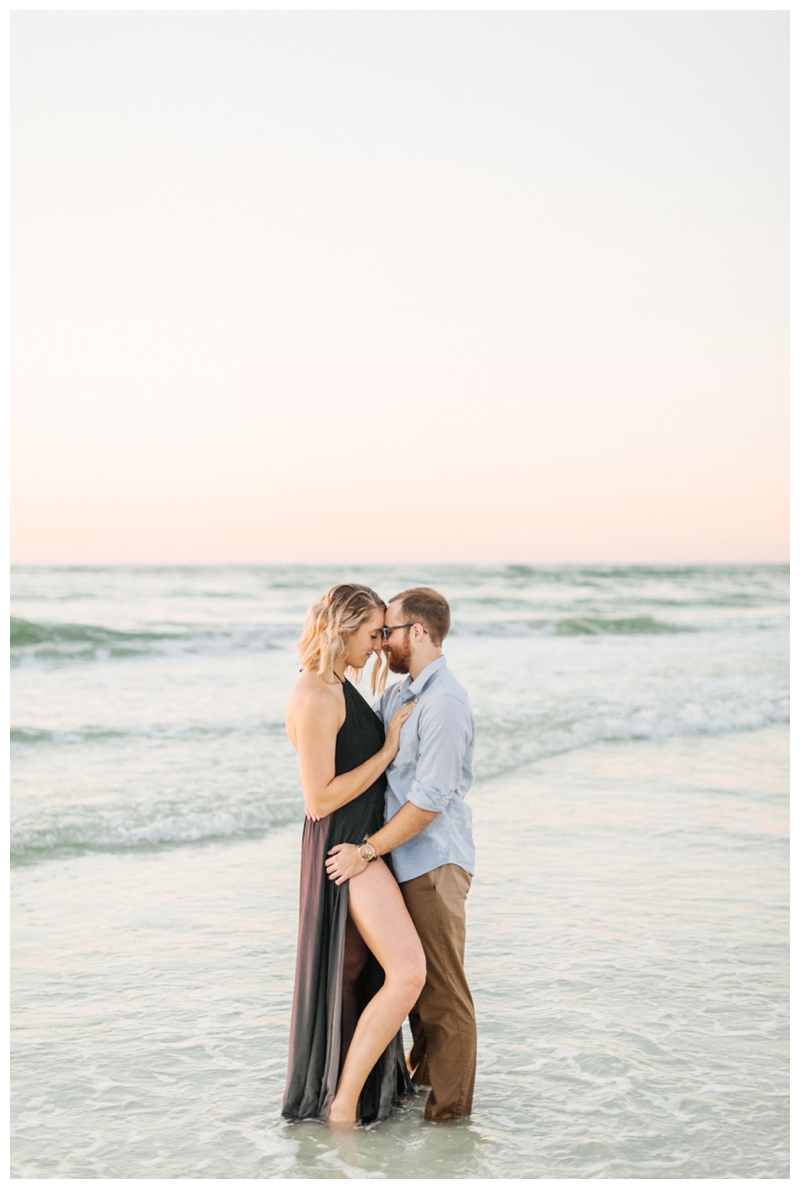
{"x": 627, "y": 954}
{"x": 627, "y": 926}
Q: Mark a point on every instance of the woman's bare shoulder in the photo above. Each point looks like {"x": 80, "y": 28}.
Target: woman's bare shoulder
{"x": 312, "y": 694}
{"x": 311, "y": 685}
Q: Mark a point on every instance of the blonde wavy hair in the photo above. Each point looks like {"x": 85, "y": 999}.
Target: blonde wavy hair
{"x": 340, "y": 612}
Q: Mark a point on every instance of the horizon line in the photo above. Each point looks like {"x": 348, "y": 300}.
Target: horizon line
{"x": 199, "y": 565}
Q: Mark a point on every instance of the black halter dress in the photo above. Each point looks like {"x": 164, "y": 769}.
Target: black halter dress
{"x": 315, "y": 1044}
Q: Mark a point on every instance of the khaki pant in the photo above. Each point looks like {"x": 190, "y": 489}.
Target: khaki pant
{"x": 443, "y": 1018}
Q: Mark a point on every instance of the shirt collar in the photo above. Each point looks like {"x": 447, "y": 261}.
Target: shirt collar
{"x": 422, "y": 679}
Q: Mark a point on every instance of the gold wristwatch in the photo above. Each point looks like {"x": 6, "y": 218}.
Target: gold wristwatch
{"x": 367, "y": 852}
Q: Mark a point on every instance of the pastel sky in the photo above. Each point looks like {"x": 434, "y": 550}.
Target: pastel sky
{"x": 395, "y": 286}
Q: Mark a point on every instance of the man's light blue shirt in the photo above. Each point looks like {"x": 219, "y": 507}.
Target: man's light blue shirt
{"x": 432, "y": 769}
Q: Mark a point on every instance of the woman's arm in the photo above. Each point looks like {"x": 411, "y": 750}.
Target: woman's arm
{"x": 316, "y": 722}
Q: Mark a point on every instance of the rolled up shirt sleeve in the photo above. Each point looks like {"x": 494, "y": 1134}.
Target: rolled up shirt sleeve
{"x": 445, "y": 733}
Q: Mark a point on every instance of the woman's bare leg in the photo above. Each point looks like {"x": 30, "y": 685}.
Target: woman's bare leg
{"x": 381, "y": 917}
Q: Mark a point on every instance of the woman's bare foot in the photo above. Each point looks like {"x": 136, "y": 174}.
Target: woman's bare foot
{"x": 341, "y": 1124}
{"x": 341, "y": 1114}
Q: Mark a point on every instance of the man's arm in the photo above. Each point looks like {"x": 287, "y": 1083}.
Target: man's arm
{"x": 445, "y": 731}
{"x": 406, "y": 823}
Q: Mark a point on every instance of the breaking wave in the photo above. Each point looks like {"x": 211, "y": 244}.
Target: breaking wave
{"x": 58, "y": 839}
{"x": 190, "y": 816}
{"x": 59, "y": 643}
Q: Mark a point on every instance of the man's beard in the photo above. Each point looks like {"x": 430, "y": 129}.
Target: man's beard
{"x": 399, "y": 659}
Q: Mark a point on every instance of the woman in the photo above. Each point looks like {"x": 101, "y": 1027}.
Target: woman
{"x": 360, "y": 965}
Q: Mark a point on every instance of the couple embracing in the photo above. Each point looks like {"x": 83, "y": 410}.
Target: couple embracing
{"x": 387, "y": 861}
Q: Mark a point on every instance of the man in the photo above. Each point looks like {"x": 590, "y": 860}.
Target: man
{"x": 429, "y": 832}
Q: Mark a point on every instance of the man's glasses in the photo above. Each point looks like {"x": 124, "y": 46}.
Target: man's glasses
{"x": 386, "y": 632}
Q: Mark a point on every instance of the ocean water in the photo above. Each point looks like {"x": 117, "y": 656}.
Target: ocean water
{"x": 627, "y": 926}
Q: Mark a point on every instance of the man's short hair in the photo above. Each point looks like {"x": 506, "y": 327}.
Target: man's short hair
{"x": 423, "y": 604}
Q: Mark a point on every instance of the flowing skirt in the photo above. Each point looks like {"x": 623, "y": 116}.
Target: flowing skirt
{"x": 315, "y": 1045}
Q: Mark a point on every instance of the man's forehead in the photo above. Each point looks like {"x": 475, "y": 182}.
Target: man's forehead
{"x": 394, "y": 610}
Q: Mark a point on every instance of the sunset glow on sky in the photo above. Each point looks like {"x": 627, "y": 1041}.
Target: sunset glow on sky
{"x": 388, "y": 286}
